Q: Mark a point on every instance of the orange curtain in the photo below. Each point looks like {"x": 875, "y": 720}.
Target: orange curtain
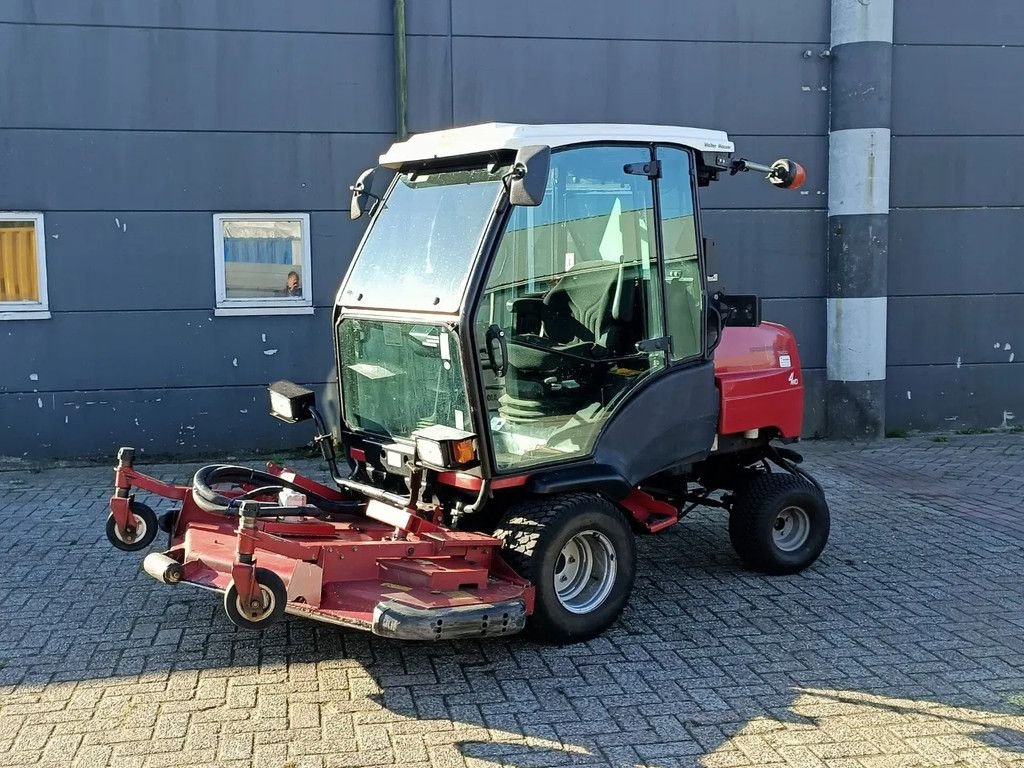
{"x": 18, "y": 278}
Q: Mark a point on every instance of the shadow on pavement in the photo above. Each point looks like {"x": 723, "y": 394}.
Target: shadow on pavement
{"x": 902, "y": 644}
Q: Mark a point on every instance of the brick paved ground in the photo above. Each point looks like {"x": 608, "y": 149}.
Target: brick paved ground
{"x": 902, "y": 647}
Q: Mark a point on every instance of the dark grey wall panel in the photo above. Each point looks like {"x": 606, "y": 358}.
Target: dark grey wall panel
{"x": 770, "y": 253}
{"x": 806, "y": 318}
{"x": 957, "y": 250}
{"x": 642, "y": 82}
{"x": 947, "y": 398}
{"x": 987, "y": 90}
{"x": 750, "y": 190}
{"x": 942, "y": 329}
{"x": 158, "y": 421}
{"x": 954, "y": 22}
{"x": 114, "y": 170}
{"x": 365, "y": 16}
{"x": 171, "y": 349}
{"x": 430, "y": 81}
{"x": 951, "y": 171}
{"x": 744, "y": 20}
{"x": 814, "y": 403}
{"x": 194, "y": 80}
{"x": 165, "y": 260}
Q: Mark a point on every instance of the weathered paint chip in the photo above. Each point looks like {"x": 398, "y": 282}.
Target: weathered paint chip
{"x": 269, "y": 351}
{"x": 33, "y": 377}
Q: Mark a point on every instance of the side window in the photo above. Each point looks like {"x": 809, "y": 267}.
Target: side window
{"x": 573, "y": 288}
{"x": 22, "y": 267}
{"x": 684, "y": 294}
{"x": 262, "y": 263}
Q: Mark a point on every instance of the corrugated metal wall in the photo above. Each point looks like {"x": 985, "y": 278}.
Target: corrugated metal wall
{"x": 130, "y": 122}
{"x": 956, "y": 262}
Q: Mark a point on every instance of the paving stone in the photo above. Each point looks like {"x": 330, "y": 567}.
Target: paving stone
{"x": 903, "y": 646}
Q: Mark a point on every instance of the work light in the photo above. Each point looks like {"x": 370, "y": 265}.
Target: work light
{"x": 289, "y": 402}
{"x": 441, "y": 447}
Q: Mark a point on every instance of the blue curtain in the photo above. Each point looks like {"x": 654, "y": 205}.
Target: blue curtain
{"x": 258, "y": 250}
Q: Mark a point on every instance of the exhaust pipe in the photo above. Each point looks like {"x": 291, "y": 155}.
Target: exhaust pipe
{"x": 162, "y": 568}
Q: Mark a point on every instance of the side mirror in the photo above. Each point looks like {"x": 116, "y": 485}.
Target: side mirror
{"x": 786, "y": 174}
{"x": 529, "y": 176}
{"x": 291, "y": 403}
{"x": 362, "y": 199}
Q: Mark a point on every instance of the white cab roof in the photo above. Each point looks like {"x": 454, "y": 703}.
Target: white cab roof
{"x": 473, "y": 139}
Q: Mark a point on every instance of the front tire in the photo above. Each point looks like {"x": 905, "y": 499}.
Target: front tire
{"x": 578, "y": 551}
{"x": 779, "y": 523}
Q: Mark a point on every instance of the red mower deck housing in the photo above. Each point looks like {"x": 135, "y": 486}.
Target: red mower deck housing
{"x": 385, "y": 570}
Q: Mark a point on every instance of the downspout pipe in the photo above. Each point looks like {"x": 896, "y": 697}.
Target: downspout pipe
{"x": 401, "y": 72}
{"x": 858, "y": 217}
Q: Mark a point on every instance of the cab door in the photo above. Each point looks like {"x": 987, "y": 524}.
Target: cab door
{"x": 682, "y": 272}
{"x": 672, "y": 420}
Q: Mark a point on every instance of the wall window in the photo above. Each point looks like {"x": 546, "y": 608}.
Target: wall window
{"x": 22, "y": 267}
{"x": 263, "y": 265}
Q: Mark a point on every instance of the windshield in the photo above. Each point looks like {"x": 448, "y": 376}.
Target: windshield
{"x": 422, "y": 243}
{"x": 398, "y": 377}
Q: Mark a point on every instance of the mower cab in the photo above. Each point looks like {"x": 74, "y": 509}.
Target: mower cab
{"x": 532, "y": 368}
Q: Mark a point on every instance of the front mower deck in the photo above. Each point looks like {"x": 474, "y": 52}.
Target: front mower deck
{"x": 384, "y": 570}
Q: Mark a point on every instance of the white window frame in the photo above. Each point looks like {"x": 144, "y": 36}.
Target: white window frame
{"x": 269, "y": 305}
{"x": 29, "y": 310}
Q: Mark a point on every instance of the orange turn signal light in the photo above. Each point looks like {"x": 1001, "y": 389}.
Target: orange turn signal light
{"x": 464, "y": 451}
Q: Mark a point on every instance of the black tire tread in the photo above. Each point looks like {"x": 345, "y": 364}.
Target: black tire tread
{"x": 522, "y": 531}
{"x": 757, "y": 493}
{"x": 267, "y": 578}
{"x": 152, "y": 528}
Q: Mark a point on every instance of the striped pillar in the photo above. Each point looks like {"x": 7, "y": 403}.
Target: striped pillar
{"x": 858, "y": 217}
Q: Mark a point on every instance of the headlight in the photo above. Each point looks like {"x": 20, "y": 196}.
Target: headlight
{"x": 441, "y": 447}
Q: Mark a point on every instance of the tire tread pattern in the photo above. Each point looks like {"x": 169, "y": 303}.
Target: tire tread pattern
{"x": 753, "y": 498}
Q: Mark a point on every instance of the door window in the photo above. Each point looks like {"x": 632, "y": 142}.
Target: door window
{"x": 684, "y": 293}
{"x": 572, "y": 289}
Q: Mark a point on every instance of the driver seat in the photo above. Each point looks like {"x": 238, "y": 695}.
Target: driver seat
{"x": 583, "y": 320}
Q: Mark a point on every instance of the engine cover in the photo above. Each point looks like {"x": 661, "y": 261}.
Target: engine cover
{"x": 759, "y": 380}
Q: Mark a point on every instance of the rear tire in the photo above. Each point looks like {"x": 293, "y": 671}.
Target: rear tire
{"x": 779, "y": 523}
{"x": 578, "y": 551}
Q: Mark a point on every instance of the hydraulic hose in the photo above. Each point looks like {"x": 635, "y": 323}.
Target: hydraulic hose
{"x": 220, "y": 474}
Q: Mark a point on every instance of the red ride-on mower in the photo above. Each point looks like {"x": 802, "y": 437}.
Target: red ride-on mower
{"x": 531, "y": 370}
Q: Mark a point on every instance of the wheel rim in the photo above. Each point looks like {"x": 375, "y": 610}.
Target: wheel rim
{"x": 140, "y": 530}
{"x": 791, "y": 529}
{"x": 258, "y": 613}
{"x": 585, "y": 572}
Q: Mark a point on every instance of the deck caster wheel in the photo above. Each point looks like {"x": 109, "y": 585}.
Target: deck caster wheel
{"x": 168, "y": 521}
{"x": 779, "y": 523}
{"x": 265, "y": 611}
{"x": 140, "y": 535}
{"x": 579, "y": 552}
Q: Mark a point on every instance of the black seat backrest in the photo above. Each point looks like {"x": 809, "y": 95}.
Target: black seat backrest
{"x": 589, "y": 303}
